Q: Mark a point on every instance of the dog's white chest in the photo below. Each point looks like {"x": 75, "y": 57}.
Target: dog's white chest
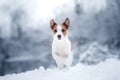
{"x": 61, "y": 47}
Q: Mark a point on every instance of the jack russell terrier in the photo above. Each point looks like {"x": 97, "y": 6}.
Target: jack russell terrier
{"x": 61, "y": 45}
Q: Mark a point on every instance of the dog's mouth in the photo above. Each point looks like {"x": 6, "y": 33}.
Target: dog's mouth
{"x": 59, "y": 38}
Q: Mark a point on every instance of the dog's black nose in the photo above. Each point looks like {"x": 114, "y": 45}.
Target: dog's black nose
{"x": 59, "y": 36}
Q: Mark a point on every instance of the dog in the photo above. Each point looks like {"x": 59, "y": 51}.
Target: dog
{"x": 62, "y": 51}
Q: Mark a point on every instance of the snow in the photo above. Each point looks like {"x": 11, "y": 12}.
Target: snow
{"x": 108, "y": 70}
{"x": 95, "y": 53}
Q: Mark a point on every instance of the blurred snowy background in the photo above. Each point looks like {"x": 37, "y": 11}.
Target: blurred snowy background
{"x": 25, "y": 34}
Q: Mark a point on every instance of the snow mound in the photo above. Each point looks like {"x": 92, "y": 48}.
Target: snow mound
{"x": 108, "y": 70}
{"x": 95, "y": 54}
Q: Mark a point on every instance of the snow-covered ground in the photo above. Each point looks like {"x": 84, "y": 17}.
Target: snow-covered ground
{"x": 108, "y": 70}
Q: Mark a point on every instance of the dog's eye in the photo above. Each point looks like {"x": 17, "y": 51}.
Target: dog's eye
{"x": 63, "y": 30}
{"x": 55, "y": 30}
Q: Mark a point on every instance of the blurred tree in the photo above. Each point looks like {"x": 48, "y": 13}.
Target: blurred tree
{"x": 78, "y": 8}
{"x": 3, "y": 55}
{"x": 118, "y": 23}
{"x": 109, "y": 26}
{"x": 17, "y": 23}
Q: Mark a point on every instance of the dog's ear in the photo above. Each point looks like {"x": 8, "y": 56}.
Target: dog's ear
{"x": 52, "y": 23}
{"x": 67, "y": 23}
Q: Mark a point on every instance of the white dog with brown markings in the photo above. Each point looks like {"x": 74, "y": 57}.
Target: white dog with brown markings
{"x": 61, "y": 45}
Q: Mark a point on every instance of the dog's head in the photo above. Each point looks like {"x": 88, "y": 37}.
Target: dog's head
{"x": 59, "y": 31}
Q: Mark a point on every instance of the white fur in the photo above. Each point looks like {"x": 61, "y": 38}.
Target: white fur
{"x": 61, "y": 49}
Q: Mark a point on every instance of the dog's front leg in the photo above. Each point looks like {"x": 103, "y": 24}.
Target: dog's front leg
{"x": 58, "y": 60}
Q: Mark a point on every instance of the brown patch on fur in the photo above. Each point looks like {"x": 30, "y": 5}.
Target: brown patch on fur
{"x": 54, "y": 29}
{"x": 53, "y": 26}
{"x": 52, "y": 23}
{"x": 66, "y": 22}
{"x": 64, "y": 30}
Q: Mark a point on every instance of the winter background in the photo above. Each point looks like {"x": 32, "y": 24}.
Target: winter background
{"x": 25, "y": 38}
